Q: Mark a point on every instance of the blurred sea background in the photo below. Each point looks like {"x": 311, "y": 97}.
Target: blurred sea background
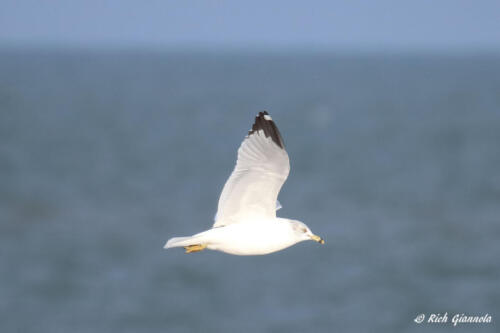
{"x": 120, "y": 122}
{"x": 104, "y": 155}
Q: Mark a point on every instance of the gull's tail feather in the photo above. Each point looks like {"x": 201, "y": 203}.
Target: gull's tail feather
{"x": 180, "y": 242}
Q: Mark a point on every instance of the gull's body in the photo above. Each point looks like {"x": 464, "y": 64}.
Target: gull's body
{"x": 246, "y": 238}
{"x": 246, "y": 222}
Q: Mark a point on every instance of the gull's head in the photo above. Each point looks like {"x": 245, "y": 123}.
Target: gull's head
{"x": 303, "y": 233}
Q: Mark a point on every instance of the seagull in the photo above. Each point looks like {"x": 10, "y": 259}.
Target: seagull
{"x": 246, "y": 222}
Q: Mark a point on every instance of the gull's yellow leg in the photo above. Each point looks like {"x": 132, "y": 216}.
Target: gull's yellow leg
{"x": 195, "y": 248}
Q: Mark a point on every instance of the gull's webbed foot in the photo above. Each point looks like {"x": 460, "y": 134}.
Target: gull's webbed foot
{"x": 195, "y": 248}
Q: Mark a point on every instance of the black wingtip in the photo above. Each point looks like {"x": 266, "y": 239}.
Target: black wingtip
{"x": 264, "y": 122}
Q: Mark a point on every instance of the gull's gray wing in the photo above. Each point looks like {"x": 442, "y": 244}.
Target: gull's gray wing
{"x": 261, "y": 169}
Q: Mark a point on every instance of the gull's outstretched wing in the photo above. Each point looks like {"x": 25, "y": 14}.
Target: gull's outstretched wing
{"x": 278, "y": 207}
{"x": 261, "y": 169}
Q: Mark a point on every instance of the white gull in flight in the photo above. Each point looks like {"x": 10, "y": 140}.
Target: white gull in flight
{"x": 246, "y": 222}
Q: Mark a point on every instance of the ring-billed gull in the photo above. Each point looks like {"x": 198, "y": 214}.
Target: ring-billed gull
{"x": 246, "y": 222}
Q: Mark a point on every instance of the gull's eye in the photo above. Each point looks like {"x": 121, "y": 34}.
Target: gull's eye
{"x": 304, "y": 230}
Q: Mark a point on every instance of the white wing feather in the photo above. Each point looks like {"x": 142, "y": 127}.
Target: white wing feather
{"x": 261, "y": 169}
{"x": 278, "y": 207}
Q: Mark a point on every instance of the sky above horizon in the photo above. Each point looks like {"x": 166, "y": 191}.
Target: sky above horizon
{"x": 338, "y": 25}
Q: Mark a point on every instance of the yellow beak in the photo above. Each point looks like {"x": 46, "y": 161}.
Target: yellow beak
{"x": 317, "y": 239}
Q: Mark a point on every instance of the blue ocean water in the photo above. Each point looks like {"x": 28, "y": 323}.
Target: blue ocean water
{"x": 105, "y": 155}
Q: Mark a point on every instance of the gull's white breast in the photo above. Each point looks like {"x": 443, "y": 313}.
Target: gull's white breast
{"x": 251, "y": 238}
